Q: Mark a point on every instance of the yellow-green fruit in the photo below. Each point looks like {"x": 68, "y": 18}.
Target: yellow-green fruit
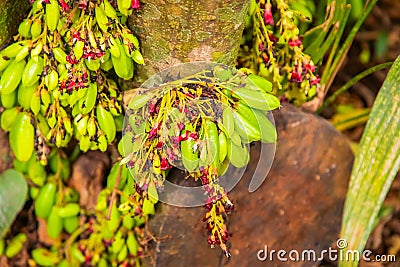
{"x": 15, "y": 246}
{"x": 51, "y": 80}
{"x": 11, "y": 77}
{"x": 9, "y": 100}
{"x": 54, "y": 223}
{"x": 238, "y": 155}
{"x": 36, "y": 28}
{"x": 13, "y": 49}
{"x": 190, "y": 157}
{"x": 4, "y": 61}
{"x": 71, "y": 224}
{"x": 36, "y": 172}
{"x": 106, "y": 122}
{"x": 123, "y": 64}
{"x": 22, "y": 137}
{"x": 69, "y": 210}
{"x": 32, "y": 71}
{"x": 132, "y": 243}
{"x": 24, "y": 28}
{"x": 60, "y": 55}
{"x": 44, "y": 257}
{"x": 52, "y": 14}
{"x": 45, "y": 200}
{"x": 23, "y": 53}
{"x": 8, "y": 117}
{"x": 86, "y": 104}
{"x": 25, "y": 94}
{"x": 223, "y": 146}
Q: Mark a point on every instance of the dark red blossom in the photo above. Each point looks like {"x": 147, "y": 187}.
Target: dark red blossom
{"x": 296, "y": 77}
{"x": 164, "y": 164}
{"x": 135, "y": 4}
{"x": 268, "y": 19}
{"x": 64, "y": 5}
{"x": 294, "y": 42}
{"x": 315, "y": 81}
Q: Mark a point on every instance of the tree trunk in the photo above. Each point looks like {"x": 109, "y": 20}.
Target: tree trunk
{"x": 176, "y": 31}
{"x": 11, "y": 13}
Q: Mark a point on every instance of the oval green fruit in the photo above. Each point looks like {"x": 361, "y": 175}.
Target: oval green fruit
{"x": 45, "y": 200}
{"x": 32, "y": 71}
{"x": 22, "y": 137}
{"x": 11, "y": 76}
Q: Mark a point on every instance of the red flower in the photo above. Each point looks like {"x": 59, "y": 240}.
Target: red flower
{"x": 294, "y": 42}
{"x": 268, "y": 19}
{"x": 164, "y": 164}
{"x": 315, "y": 81}
{"x": 135, "y": 4}
{"x": 296, "y": 77}
{"x": 64, "y": 5}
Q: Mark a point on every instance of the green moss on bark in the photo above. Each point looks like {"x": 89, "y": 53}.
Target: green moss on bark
{"x": 177, "y": 31}
{"x": 11, "y": 13}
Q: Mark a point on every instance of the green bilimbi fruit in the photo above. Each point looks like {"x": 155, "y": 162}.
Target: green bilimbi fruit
{"x": 128, "y": 222}
{"x": 137, "y": 57}
{"x": 23, "y": 53}
{"x": 32, "y": 71}
{"x": 20, "y": 166}
{"x": 11, "y": 77}
{"x": 91, "y": 127}
{"x": 2, "y": 247}
{"x": 24, "y": 28}
{"x": 123, "y": 253}
{"x": 71, "y": 224}
{"x": 54, "y": 223}
{"x": 84, "y": 143}
{"x": 22, "y": 136}
{"x": 36, "y": 172}
{"x": 238, "y": 155}
{"x": 223, "y": 146}
{"x": 78, "y": 49}
{"x": 45, "y": 200}
{"x": 35, "y": 103}
{"x": 228, "y": 122}
{"x": 124, "y": 4}
{"x": 114, "y": 221}
{"x": 81, "y": 124}
{"x": 112, "y": 177}
{"x": 123, "y": 64}
{"x": 246, "y": 129}
{"x": 15, "y": 246}
{"x": 51, "y": 80}
{"x": 69, "y": 210}
{"x": 33, "y": 192}
{"x": 8, "y": 117}
{"x": 148, "y": 207}
{"x": 87, "y": 103}
{"x": 4, "y": 61}
{"x": 257, "y": 99}
{"x": 9, "y": 100}
{"x": 36, "y": 28}
{"x": 132, "y": 243}
{"x": 190, "y": 158}
{"x": 52, "y": 15}
{"x": 76, "y": 253}
{"x": 268, "y": 131}
{"x": 113, "y": 47}
{"x": 109, "y": 10}
{"x": 118, "y": 242}
{"x": 44, "y": 257}
{"x": 13, "y": 49}
{"x": 139, "y": 101}
{"x": 60, "y": 164}
{"x": 64, "y": 263}
{"x": 60, "y": 55}
{"x": 101, "y": 18}
{"x": 152, "y": 192}
{"x": 93, "y": 64}
{"x": 261, "y": 82}
{"x": 106, "y": 123}
{"x": 37, "y": 49}
{"x": 25, "y": 94}
{"x": 213, "y": 140}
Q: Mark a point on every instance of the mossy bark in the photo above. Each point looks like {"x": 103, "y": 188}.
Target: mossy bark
{"x": 178, "y": 31}
{"x": 11, "y": 13}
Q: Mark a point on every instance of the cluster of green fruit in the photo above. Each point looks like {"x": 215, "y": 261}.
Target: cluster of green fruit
{"x": 54, "y": 88}
{"x": 201, "y": 124}
{"x": 53, "y": 77}
{"x": 272, "y": 46}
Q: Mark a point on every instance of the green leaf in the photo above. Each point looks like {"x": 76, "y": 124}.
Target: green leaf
{"x": 375, "y": 166}
{"x": 13, "y": 191}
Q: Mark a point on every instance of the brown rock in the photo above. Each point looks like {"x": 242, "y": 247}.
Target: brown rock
{"x": 298, "y": 206}
{"x": 5, "y": 152}
{"x": 87, "y": 177}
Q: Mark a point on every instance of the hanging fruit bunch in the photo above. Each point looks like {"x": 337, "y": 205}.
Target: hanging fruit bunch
{"x": 201, "y": 124}
{"x": 53, "y": 82}
{"x": 55, "y": 88}
{"x": 272, "y": 46}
